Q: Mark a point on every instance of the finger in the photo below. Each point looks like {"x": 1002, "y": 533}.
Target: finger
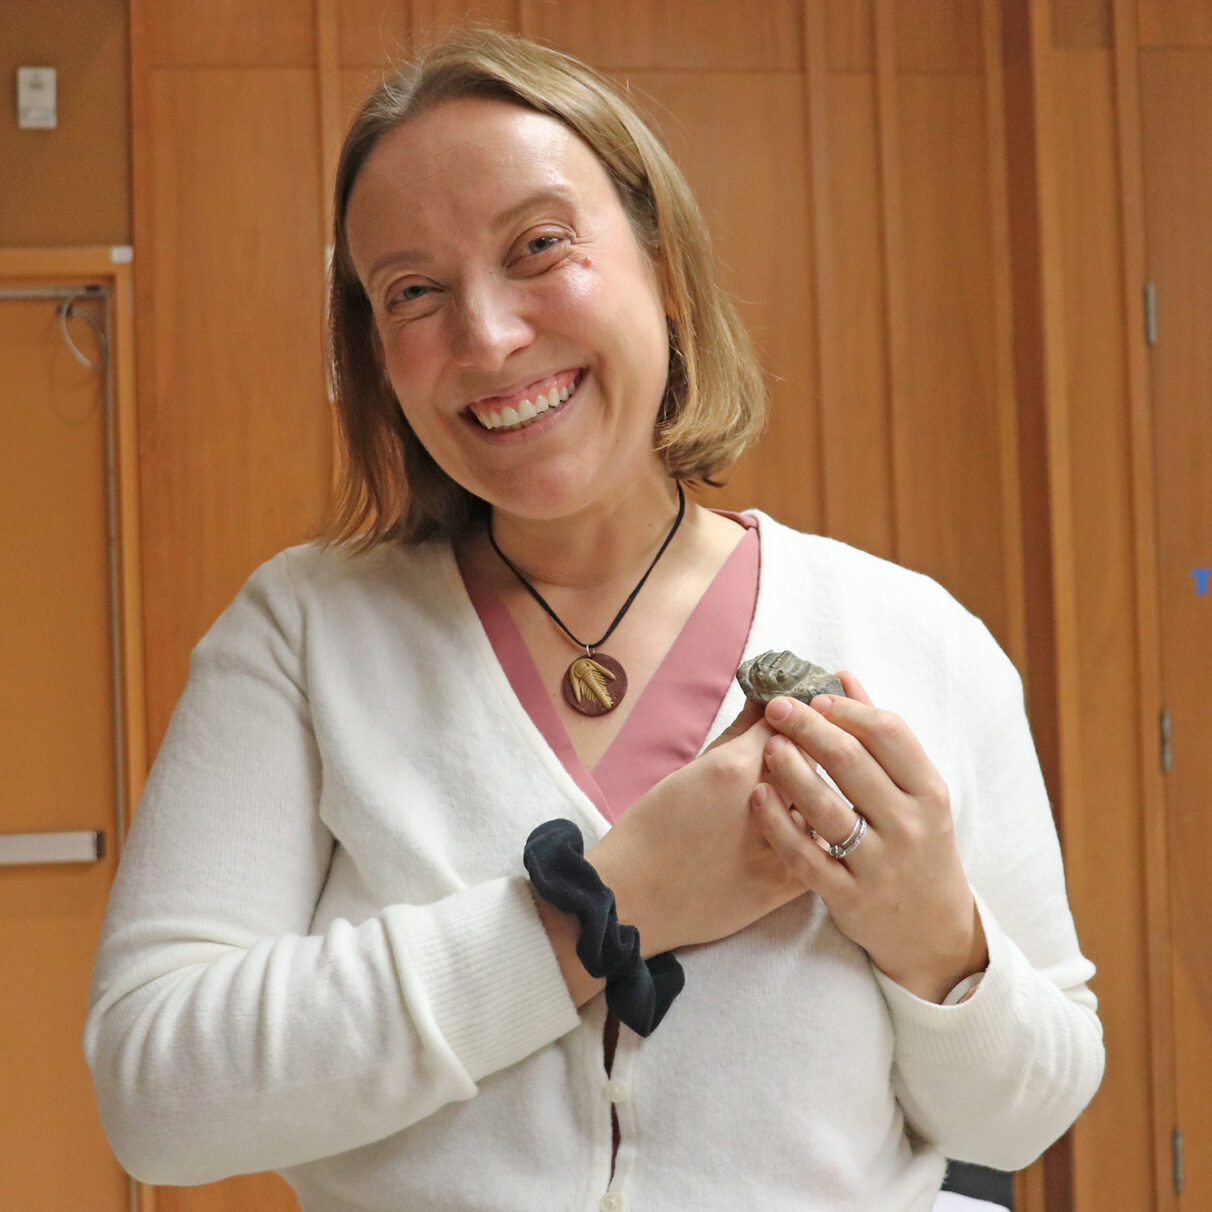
{"x": 888, "y": 739}
{"x": 749, "y": 715}
{"x": 805, "y": 857}
{"x": 799, "y": 783}
{"x": 857, "y": 773}
{"x": 854, "y": 688}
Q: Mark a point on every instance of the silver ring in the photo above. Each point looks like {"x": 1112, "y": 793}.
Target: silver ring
{"x": 852, "y": 843}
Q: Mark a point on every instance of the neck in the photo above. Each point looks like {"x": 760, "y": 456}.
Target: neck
{"x": 595, "y": 547}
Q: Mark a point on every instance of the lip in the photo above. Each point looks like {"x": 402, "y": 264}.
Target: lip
{"x": 572, "y": 379}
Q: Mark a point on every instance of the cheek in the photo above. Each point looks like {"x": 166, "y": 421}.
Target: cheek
{"x": 411, "y": 362}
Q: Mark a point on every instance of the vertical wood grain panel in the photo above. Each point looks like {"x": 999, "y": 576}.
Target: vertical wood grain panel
{"x": 758, "y": 216}
{"x": 1092, "y": 558}
{"x": 1023, "y": 224}
{"x": 372, "y": 32}
{"x": 848, "y": 33}
{"x": 1153, "y": 828}
{"x": 853, "y": 350}
{"x": 1055, "y": 414}
{"x": 938, "y": 36}
{"x": 1176, "y": 91}
{"x": 1102, "y": 836}
{"x": 893, "y": 252}
{"x": 430, "y": 18}
{"x": 231, "y": 33}
{"x": 1004, "y": 400}
{"x": 670, "y": 34}
{"x": 948, "y": 430}
{"x": 235, "y": 429}
{"x": 1081, "y": 24}
{"x": 1175, "y": 23}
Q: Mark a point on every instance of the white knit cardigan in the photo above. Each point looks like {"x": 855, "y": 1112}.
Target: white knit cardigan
{"x": 321, "y": 955}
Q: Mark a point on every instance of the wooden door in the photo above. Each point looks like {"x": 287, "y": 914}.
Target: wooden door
{"x": 1176, "y": 102}
{"x": 57, "y": 766}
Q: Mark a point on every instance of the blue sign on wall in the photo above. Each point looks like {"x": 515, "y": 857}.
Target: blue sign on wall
{"x": 1203, "y": 578}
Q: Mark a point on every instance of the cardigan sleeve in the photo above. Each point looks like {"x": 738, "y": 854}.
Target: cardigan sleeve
{"x": 996, "y": 1079}
{"x": 223, "y": 1036}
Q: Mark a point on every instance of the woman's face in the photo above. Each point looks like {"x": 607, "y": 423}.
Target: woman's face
{"x": 521, "y": 325}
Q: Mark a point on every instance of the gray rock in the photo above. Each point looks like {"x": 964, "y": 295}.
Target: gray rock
{"x": 767, "y": 676}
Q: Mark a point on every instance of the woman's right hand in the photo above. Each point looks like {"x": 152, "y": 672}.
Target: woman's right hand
{"x": 687, "y": 862}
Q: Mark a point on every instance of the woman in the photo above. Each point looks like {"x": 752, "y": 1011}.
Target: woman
{"x": 323, "y": 954}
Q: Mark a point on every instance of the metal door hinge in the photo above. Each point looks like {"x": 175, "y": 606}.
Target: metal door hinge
{"x": 1163, "y": 735}
{"x": 1176, "y": 1147}
{"x": 1150, "y": 313}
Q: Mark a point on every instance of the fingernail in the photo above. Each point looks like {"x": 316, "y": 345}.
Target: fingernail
{"x": 778, "y": 709}
{"x": 823, "y": 702}
{"x": 760, "y": 795}
{"x": 776, "y": 743}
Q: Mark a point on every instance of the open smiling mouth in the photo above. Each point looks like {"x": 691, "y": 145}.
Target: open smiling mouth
{"x": 529, "y": 409}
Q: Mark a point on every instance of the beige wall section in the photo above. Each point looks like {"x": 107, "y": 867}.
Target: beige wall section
{"x": 71, "y": 185}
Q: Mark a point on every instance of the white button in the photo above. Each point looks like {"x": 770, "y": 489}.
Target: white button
{"x": 616, "y": 1091}
{"x": 612, "y": 1201}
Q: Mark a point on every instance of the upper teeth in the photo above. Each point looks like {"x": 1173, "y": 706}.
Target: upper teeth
{"x": 527, "y": 410}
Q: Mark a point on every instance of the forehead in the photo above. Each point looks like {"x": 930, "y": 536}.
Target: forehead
{"x": 462, "y": 162}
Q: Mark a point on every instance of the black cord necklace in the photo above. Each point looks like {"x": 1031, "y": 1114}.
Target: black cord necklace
{"x": 595, "y": 683}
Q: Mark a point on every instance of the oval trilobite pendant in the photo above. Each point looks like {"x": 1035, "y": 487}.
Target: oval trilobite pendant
{"x": 767, "y": 676}
{"x": 594, "y": 685}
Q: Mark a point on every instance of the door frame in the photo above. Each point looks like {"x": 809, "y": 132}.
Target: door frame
{"x": 110, "y": 267}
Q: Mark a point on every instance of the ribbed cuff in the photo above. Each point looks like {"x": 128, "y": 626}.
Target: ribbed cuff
{"x": 480, "y": 976}
{"x": 970, "y": 1031}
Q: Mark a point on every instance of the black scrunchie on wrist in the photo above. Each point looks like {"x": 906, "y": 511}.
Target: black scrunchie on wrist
{"x": 637, "y": 993}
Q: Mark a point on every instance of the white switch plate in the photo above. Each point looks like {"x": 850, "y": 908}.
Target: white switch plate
{"x": 36, "y": 105}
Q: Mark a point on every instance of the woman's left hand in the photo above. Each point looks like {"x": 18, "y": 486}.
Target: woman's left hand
{"x": 901, "y": 894}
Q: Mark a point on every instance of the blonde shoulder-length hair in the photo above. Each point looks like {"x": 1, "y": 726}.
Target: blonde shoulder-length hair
{"x": 715, "y": 402}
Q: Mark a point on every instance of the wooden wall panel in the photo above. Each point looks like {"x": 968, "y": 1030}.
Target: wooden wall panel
{"x": 1100, "y": 818}
{"x": 1081, "y": 24}
{"x": 757, "y": 213}
{"x": 431, "y": 18}
{"x": 854, "y": 358}
{"x": 693, "y": 35}
{"x": 70, "y": 185}
{"x": 235, "y": 433}
{"x": 373, "y": 32}
{"x": 848, "y": 33}
{"x": 938, "y": 36}
{"x": 229, "y": 33}
{"x": 1037, "y": 602}
{"x": 947, "y": 426}
{"x": 1175, "y": 23}
{"x": 1176, "y": 96}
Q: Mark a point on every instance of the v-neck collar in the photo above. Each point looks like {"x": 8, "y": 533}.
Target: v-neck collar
{"x": 702, "y": 658}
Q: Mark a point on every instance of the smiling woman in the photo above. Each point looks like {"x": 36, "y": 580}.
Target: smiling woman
{"x": 713, "y": 400}
{"x": 787, "y": 956}
{"x": 518, "y": 276}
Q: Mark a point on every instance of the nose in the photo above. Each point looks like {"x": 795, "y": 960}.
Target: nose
{"x": 490, "y": 324}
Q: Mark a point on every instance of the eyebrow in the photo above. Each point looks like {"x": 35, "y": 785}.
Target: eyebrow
{"x": 418, "y": 256}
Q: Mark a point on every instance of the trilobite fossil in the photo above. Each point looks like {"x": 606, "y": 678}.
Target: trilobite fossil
{"x": 767, "y": 676}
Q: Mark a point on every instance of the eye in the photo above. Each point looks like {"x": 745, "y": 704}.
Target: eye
{"x": 411, "y": 297}
{"x": 535, "y": 251}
